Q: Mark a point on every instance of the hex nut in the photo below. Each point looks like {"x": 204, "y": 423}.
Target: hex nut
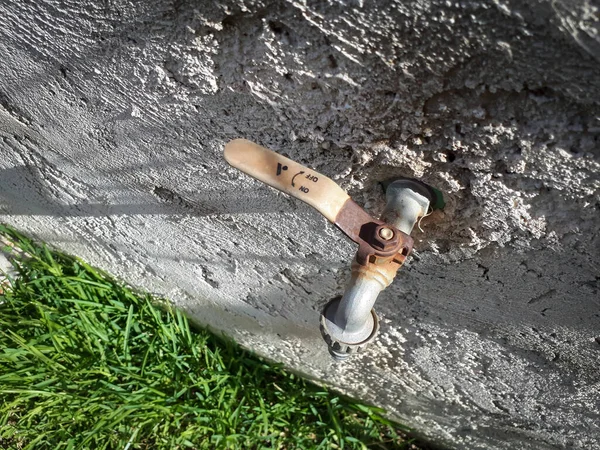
{"x": 381, "y": 243}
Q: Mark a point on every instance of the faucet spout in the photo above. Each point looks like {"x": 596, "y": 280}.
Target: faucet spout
{"x": 350, "y": 323}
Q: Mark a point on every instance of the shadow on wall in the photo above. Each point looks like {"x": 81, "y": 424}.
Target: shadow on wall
{"x": 23, "y": 193}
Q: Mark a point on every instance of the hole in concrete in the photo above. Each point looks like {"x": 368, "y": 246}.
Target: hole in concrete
{"x": 276, "y": 27}
{"x": 332, "y": 62}
{"x": 450, "y": 155}
{"x": 282, "y": 32}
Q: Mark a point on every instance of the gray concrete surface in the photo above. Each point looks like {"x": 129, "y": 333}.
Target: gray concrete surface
{"x": 113, "y": 117}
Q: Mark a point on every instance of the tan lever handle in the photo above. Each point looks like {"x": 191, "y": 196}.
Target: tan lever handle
{"x": 321, "y": 193}
{"x": 288, "y": 176}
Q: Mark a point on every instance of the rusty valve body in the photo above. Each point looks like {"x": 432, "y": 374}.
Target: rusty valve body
{"x": 365, "y": 230}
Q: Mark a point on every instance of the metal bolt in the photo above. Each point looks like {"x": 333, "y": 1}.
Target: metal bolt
{"x": 386, "y": 233}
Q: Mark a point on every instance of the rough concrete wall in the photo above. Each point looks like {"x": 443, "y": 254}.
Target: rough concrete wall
{"x": 113, "y": 117}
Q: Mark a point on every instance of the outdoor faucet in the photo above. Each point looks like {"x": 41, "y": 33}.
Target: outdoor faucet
{"x": 348, "y": 323}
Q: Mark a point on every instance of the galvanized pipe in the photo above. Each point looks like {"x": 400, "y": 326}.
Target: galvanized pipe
{"x": 406, "y": 202}
{"x": 352, "y": 322}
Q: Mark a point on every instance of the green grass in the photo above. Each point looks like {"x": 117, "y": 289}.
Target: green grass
{"x": 87, "y": 363}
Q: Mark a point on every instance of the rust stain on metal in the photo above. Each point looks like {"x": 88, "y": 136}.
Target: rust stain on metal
{"x": 386, "y": 254}
{"x": 351, "y": 219}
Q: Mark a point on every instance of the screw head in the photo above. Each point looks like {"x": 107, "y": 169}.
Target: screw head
{"x": 386, "y": 234}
